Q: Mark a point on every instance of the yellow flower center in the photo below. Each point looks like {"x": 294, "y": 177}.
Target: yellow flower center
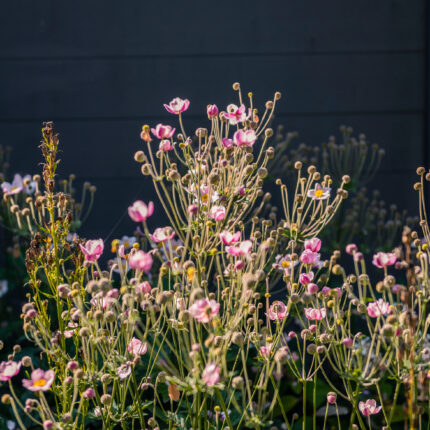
{"x": 39, "y": 383}
{"x": 190, "y": 273}
{"x": 205, "y": 197}
{"x": 285, "y": 264}
{"x": 319, "y": 193}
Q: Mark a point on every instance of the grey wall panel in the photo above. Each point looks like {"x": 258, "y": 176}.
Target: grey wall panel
{"x": 84, "y": 28}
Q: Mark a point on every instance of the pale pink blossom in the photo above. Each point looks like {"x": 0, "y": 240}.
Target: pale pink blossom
{"x": 348, "y": 342}
{"x": 140, "y": 260}
{"x": 40, "y": 380}
{"x": 124, "y": 371}
{"x": 203, "y": 310}
{"x": 8, "y": 369}
{"x": 210, "y": 374}
{"x": 162, "y": 234}
{"x": 384, "y": 259}
{"x": 227, "y": 143}
{"x": 369, "y": 407}
{"x": 143, "y": 288}
{"x": 140, "y": 211}
{"x": 137, "y": 347}
{"x": 265, "y": 350}
{"x": 315, "y": 314}
{"x": 177, "y": 105}
{"x": 244, "y": 138}
{"x": 327, "y": 291}
{"x": 235, "y": 114}
{"x": 305, "y": 278}
{"x": 15, "y": 187}
{"x": 71, "y": 329}
{"x": 312, "y": 288}
{"x": 92, "y": 249}
{"x": 239, "y": 265}
{"x": 180, "y": 303}
{"x": 331, "y": 398}
{"x": 380, "y": 307}
{"x": 212, "y": 111}
{"x": 351, "y": 248}
{"x": 162, "y": 131}
{"x": 313, "y": 244}
{"x": 229, "y": 238}
{"x": 309, "y": 257}
{"x": 277, "y": 311}
{"x": 319, "y": 192}
{"x": 284, "y": 263}
{"x": 165, "y": 145}
{"x": 241, "y": 250}
{"x": 217, "y": 213}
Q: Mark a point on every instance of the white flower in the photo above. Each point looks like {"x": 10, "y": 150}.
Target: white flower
{"x": 3, "y": 287}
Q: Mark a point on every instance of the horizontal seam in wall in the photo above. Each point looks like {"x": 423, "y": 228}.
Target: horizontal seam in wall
{"x": 203, "y": 55}
{"x": 144, "y": 117}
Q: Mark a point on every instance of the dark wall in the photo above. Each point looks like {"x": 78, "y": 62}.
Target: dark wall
{"x": 101, "y": 69}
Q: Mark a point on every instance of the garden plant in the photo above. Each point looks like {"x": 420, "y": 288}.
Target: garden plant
{"x": 234, "y": 315}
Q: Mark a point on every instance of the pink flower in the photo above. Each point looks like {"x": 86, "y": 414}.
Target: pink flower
{"x": 89, "y": 393}
{"x": 312, "y": 288}
{"x": 163, "y": 131}
{"x": 15, "y": 187}
{"x": 351, "y": 248}
{"x": 140, "y": 260}
{"x": 40, "y": 380}
{"x": 331, "y": 398}
{"x": 124, "y": 371}
{"x": 369, "y": 407}
{"x": 212, "y": 111}
{"x": 265, "y": 350}
{"x": 235, "y": 114}
{"x": 315, "y": 314}
{"x": 204, "y": 310}
{"x": 305, "y": 278}
{"x": 241, "y": 250}
{"x": 326, "y": 291}
{"x": 165, "y": 145}
{"x": 139, "y": 211}
{"x": 319, "y": 192}
{"x": 384, "y": 259}
{"x": 229, "y": 238}
{"x": 177, "y": 105}
{"x": 348, "y": 342}
{"x": 244, "y": 138}
{"x": 378, "y": 308}
{"x": 313, "y": 245}
{"x": 162, "y": 234}
{"x": 217, "y": 213}
{"x": 144, "y": 287}
{"x": 310, "y": 257}
{"x": 210, "y": 374}
{"x": 92, "y": 249}
{"x": 277, "y": 311}
{"x": 69, "y": 333}
{"x": 227, "y": 143}
{"x": 8, "y": 369}
{"x": 137, "y": 347}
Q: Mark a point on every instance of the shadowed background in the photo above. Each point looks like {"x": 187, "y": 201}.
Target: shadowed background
{"x": 100, "y": 70}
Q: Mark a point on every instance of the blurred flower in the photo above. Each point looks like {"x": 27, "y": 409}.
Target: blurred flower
{"x": 229, "y": 238}
{"x": 235, "y": 114}
{"x": 162, "y": 234}
{"x": 139, "y": 211}
{"x": 369, "y": 407}
{"x": 3, "y": 287}
{"x": 204, "y": 310}
{"x": 162, "y": 131}
{"x": 277, "y": 311}
{"x": 244, "y": 138}
{"x": 384, "y": 259}
{"x": 313, "y": 244}
{"x": 310, "y": 257}
{"x": 315, "y": 314}
{"x": 241, "y": 250}
{"x": 8, "y": 369}
{"x": 92, "y": 249}
{"x": 380, "y": 307}
{"x": 124, "y": 371}
{"x": 165, "y": 145}
{"x": 212, "y": 111}
{"x": 40, "y": 380}
{"x": 140, "y": 260}
{"x": 15, "y": 187}
{"x": 137, "y": 347}
{"x": 210, "y": 374}
{"x": 217, "y": 213}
